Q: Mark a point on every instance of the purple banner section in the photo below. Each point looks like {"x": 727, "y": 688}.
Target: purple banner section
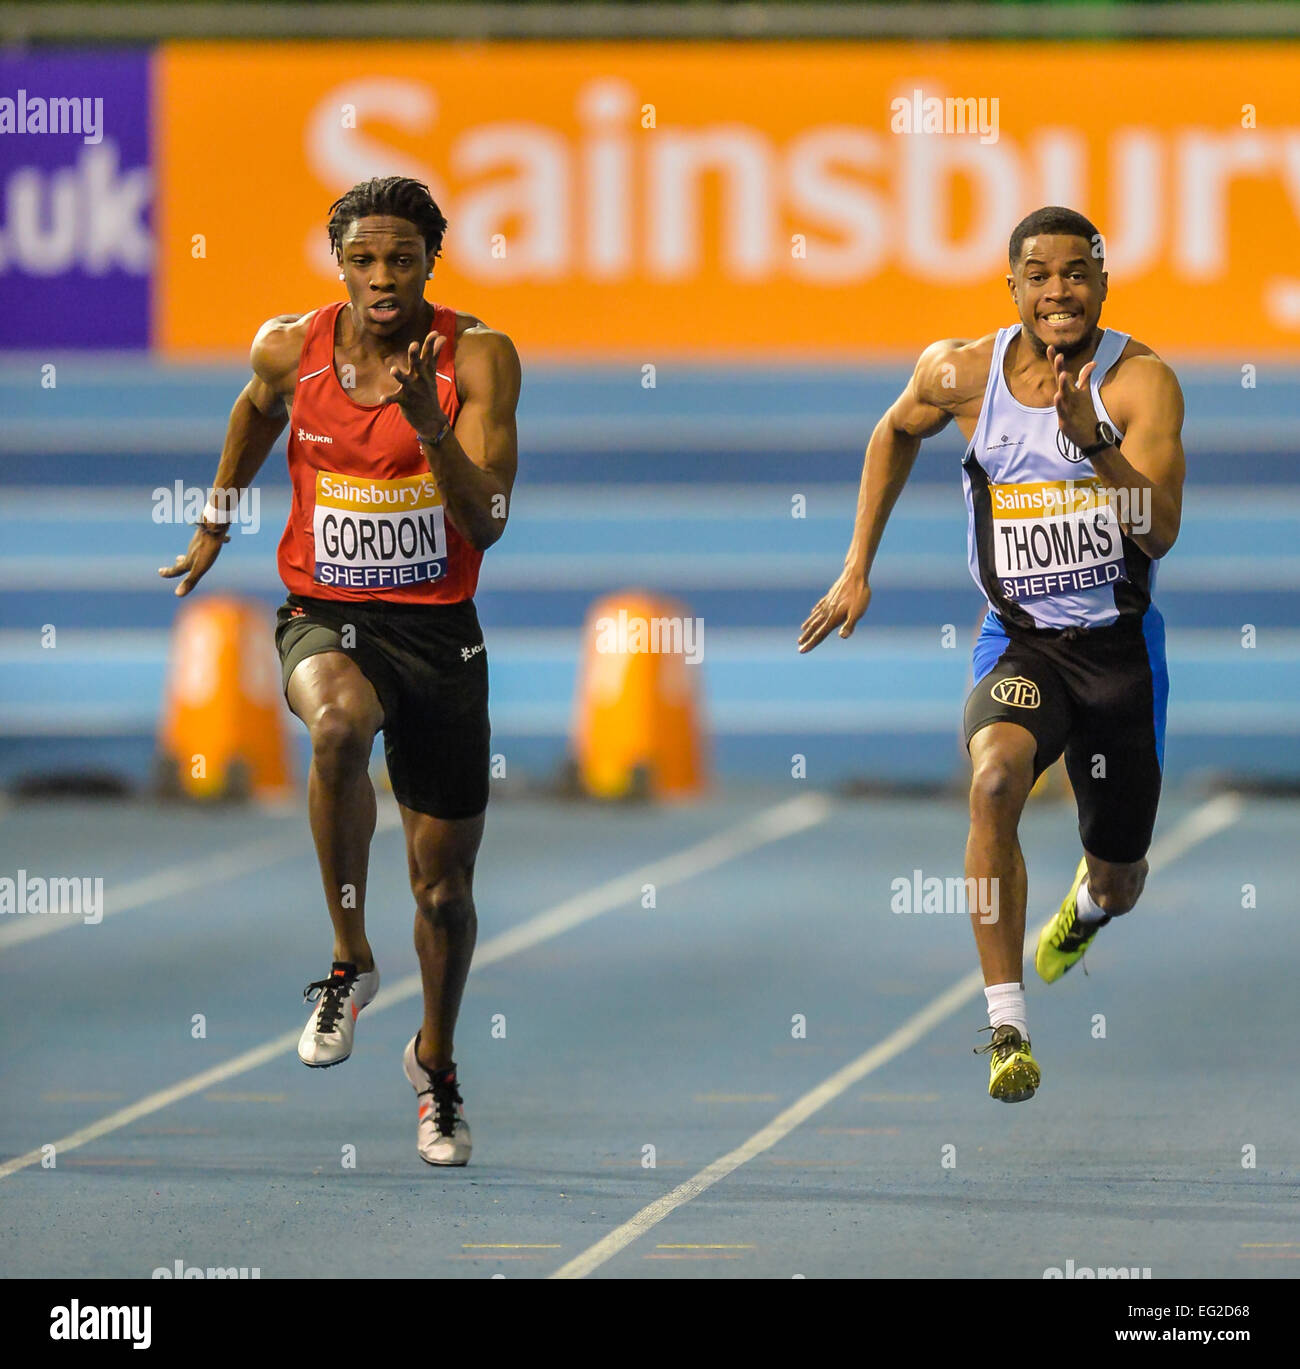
{"x": 76, "y": 214}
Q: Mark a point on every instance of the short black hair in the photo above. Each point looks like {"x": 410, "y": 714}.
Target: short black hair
{"x": 1054, "y": 218}
{"x": 397, "y": 196}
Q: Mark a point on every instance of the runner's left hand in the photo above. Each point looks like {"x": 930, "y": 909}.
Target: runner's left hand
{"x": 1073, "y": 401}
{"x": 417, "y": 386}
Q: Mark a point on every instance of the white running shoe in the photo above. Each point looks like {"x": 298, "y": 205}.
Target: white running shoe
{"x": 327, "y": 1038}
{"x": 443, "y": 1136}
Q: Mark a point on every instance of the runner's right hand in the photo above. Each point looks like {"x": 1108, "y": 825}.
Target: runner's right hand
{"x": 195, "y": 563}
{"x": 841, "y": 606}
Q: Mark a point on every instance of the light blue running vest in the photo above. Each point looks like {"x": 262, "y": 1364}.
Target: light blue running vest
{"x": 1043, "y": 547}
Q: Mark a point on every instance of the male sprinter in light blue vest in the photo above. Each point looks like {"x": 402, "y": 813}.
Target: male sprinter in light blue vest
{"x": 1074, "y": 475}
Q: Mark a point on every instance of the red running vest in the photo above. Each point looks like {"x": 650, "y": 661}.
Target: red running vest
{"x": 367, "y": 521}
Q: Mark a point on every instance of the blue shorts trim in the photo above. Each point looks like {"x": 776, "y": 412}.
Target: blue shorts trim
{"x": 1153, "y": 633}
{"x": 989, "y": 645}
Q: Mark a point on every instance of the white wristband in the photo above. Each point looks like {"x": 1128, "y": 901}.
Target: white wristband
{"x": 211, "y": 514}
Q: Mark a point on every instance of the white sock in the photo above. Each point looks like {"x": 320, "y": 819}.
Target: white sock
{"x": 1007, "y": 1005}
{"x": 1085, "y": 910}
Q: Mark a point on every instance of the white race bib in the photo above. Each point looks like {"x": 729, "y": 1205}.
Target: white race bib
{"x": 1057, "y": 537}
{"x": 376, "y": 534}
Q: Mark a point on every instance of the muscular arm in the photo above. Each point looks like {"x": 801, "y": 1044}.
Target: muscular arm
{"x": 1151, "y": 465}
{"x": 256, "y": 420}
{"x": 919, "y": 412}
{"x": 260, "y": 413}
{"x": 941, "y": 382}
{"x": 475, "y": 463}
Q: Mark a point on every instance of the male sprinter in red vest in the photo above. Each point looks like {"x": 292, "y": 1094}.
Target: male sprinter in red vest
{"x": 1074, "y": 487}
{"x": 402, "y": 457}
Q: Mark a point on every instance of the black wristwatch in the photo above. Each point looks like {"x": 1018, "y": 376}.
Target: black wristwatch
{"x": 1106, "y": 437}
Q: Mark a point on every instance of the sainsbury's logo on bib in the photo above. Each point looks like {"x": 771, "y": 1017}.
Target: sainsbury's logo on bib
{"x": 1055, "y": 537}
{"x": 377, "y": 534}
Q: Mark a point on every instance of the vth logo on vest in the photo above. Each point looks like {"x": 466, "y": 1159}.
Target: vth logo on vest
{"x": 1016, "y": 691}
{"x": 305, "y": 436}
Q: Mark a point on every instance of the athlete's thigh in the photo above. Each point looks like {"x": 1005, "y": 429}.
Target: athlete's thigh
{"x": 317, "y": 671}
{"x": 441, "y": 850}
{"x": 1114, "y": 752}
{"x": 1005, "y": 743}
{"x": 332, "y": 679}
{"x": 1114, "y": 769}
{"x": 1018, "y": 686}
{"x": 437, "y": 735}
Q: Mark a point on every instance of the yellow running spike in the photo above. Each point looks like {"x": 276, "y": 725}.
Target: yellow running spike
{"x": 1014, "y": 1075}
{"x": 1062, "y": 941}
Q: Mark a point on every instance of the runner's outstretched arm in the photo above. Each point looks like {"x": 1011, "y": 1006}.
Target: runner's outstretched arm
{"x": 257, "y": 419}
{"x": 919, "y": 412}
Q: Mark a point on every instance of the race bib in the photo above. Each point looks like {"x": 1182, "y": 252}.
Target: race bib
{"x": 1054, "y": 538}
{"x": 375, "y": 534}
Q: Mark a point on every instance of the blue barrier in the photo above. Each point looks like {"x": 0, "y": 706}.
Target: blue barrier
{"x": 711, "y": 515}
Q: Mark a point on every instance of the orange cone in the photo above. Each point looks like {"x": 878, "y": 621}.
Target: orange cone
{"x": 222, "y": 733}
{"x": 637, "y": 725}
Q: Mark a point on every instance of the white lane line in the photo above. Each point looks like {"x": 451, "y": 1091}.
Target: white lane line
{"x": 156, "y": 1101}
{"x": 175, "y": 879}
{"x": 776, "y": 1130}
{"x": 783, "y": 820}
{"x": 171, "y": 881}
{"x": 1199, "y": 825}
{"x": 1203, "y": 822}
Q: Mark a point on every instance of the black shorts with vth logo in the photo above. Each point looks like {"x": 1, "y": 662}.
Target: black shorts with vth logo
{"x": 428, "y": 666}
{"x": 1100, "y": 696}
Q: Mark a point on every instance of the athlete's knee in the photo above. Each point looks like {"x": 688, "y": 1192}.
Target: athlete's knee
{"x": 1000, "y": 785}
{"x": 340, "y": 741}
{"x": 445, "y": 902}
{"x": 1115, "y": 889}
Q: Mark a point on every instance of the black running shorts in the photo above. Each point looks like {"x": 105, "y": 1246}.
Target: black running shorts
{"x": 1100, "y": 696}
{"x": 428, "y": 666}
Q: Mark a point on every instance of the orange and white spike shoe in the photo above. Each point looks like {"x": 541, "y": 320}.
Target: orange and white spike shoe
{"x": 443, "y": 1135}
{"x": 327, "y": 1038}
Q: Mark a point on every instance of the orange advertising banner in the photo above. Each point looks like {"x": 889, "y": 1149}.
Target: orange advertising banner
{"x": 790, "y": 201}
